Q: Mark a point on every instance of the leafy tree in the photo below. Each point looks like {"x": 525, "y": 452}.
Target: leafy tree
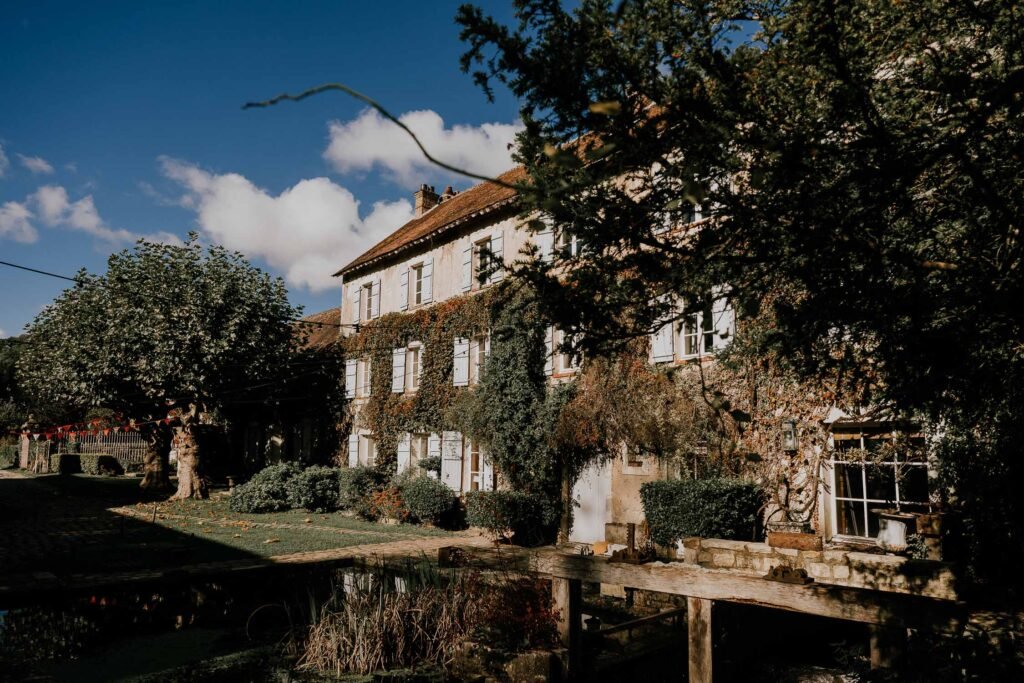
{"x": 859, "y": 166}
{"x": 169, "y": 332}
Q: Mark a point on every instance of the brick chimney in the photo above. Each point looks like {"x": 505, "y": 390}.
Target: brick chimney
{"x": 425, "y": 199}
{"x": 447, "y": 194}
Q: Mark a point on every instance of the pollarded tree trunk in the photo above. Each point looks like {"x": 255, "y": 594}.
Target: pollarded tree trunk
{"x": 155, "y": 475}
{"x": 565, "y": 523}
{"x": 190, "y": 475}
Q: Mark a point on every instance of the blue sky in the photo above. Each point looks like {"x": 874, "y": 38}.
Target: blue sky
{"x": 124, "y": 119}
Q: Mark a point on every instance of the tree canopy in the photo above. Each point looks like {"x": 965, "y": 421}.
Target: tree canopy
{"x": 857, "y": 168}
{"x": 168, "y": 331}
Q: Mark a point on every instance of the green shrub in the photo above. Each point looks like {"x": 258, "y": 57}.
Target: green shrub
{"x": 427, "y": 499}
{"x": 530, "y": 518}
{"x": 356, "y": 485}
{"x": 65, "y": 463}
{"x": 431, "y": 464}
{"x": 267, "y": 491}
{"x": 316, "y": 489}
{"x": 710, "y": 508}
{"x": 8, "y": 456}
{"x": 95, "y": 463}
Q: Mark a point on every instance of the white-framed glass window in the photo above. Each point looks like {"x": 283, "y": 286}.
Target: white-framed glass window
{"x": 565, "y": 362}
{"x": 706, "y": 330}
{"x": 481, "y": 261}
{"x": 368, "y": 448}
{"x": 366, "y": 302}
{"x": 869, "y": 473}
{"x": 364, "y": 377}
{"x": 479, "y": 349}
{"x": 568, "y": 244}
{"x": 413, "y": 366}
{"x": 476, "y": 464}
{"x": 417, "y": 451}
{"x": 416, "y": 291}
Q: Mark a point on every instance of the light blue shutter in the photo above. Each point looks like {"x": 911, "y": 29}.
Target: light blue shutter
{"x": 356, "y": 301}
{"x": 375, "y": 299}
{"x": 451, "y": 460}
{"x": 403, "y": 286}
{"x": 353, "y": 449}
{"x": 433, "y": 451}
{"x": 663, "y": 343}
{"x": 350, "y": 378}
{"x": 404, "y": 452}
{"x": 460, "y": 362}
{"x": 428, "y": 280}
{"x": 497, "y": 257}
{"x": 398, "y": 370}
{"x": 467, "y": 268}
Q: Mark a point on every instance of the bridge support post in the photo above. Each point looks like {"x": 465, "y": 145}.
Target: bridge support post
{"x": 567, "y": 601}
{"x": 887, "y": 646}
{"x": 701, "y": 639}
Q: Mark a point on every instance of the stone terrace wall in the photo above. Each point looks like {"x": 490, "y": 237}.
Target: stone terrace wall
{"x": 838, "y": 567}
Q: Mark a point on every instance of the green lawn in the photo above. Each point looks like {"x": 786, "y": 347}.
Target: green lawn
{"x": 68, "y": 524}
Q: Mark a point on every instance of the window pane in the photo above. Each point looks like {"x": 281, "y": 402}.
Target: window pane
{"x": 914, "y": 484}
{"x": 849, "y": 483}
{"x": 881, "y": 482}
{"x": 850, "y": 518}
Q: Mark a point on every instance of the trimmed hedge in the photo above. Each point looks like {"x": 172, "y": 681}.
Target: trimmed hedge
{"x": 8, "y": 456}
{"x": 709, "y": 508}
{"x": 427, "y": 499}
{"x": 316, "y": 489}
{"x": 267, "y": 491}
{"x": 530, "y": 518}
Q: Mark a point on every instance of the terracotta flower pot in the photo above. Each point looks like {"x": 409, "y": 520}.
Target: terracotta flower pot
{"x": 892, "y": 529}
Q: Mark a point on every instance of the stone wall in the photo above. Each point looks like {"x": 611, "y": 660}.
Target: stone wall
{"x": 836, "y": 567}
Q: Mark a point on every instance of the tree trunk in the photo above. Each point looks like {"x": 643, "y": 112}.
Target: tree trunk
{"x": 190, "y": 475}
{"x": 155, "y": 476}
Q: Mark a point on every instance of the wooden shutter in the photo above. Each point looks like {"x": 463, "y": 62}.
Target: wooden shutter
{"x": 467, "y": 268}
{"x": 663, "y": 343}
{"x": 724, "y": 318}
{"x": 375, "y": 299}
{"x": 460, "y": 362}
{"x": 353, "y": 449}
{"x": 403, "y": 286}
{"x": 451, "y": 460}
{"x": 433, "y": 451}
{"x": 350, "y": 378}
{"x": 398, "y": 370}
{"x": 549, "y": 351}
{"x": 355, "y": 297}
{"x": 428, "y": 280}
{"x": 497, "y": 257}
{"x": 404, "y": 452}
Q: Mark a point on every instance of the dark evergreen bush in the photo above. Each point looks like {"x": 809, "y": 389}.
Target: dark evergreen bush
{"x": 427, "y": 499}
{"x": 95, "y": 463}
{"x": 267, "y": 491}
{"x": 316, "y": 489}
{"x": 710, "y": 508}
{"x": 531, "y": 519}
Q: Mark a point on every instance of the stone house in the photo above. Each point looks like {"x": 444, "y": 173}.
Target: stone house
{"x": 454, "y": 238}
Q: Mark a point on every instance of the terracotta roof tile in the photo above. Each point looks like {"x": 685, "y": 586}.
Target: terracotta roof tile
{"x": 477, "y": 199}
{"x": 319, "y": 337}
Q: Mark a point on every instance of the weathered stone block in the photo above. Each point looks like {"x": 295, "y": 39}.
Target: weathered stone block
{"x": 724, "y": 560}
{"x": 819, "y": 570}
{"x": 721, "y": 544}
{"x": 840, "y": 572}
{"x": 533, "y": 667}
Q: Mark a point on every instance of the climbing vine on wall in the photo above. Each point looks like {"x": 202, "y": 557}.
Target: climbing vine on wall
{"x": 387, "y": 414}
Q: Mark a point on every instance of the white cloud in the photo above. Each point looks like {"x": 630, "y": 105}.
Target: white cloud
{"x": 5, "y": 163}
{"x": 370, "y": 140}
{"x": 16, "y": 223}
{"x": 56, "y": 210}
{"x": 307, "y": 231}
{"x": 37, "y": 165}
{"x": 3, "y": 334}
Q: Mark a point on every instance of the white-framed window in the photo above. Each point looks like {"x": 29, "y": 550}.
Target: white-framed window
{"x": 565, "y": 362}
{"x": 475, "y": 462}
{"x": 479, "y": 350}
{"x": 416, "y": 293}
{"x": 364, "y": 377}
{"x": 366, "y": 302}
{"x": 868, "y": 472}
{"x": 482, "y": 260}
{"x": 568, "y": 244}
{"x": 706, "y": 330}
{"x": 418, "y": 445}
{"x": 413, "y": 366}
{"x": 368, "y": 449}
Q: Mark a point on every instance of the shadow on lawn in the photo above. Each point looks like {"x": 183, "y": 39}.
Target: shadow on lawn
{"x": 63, "y": 525}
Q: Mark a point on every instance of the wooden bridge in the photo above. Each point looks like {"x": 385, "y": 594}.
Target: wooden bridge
{"x": 888, "y": 614}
